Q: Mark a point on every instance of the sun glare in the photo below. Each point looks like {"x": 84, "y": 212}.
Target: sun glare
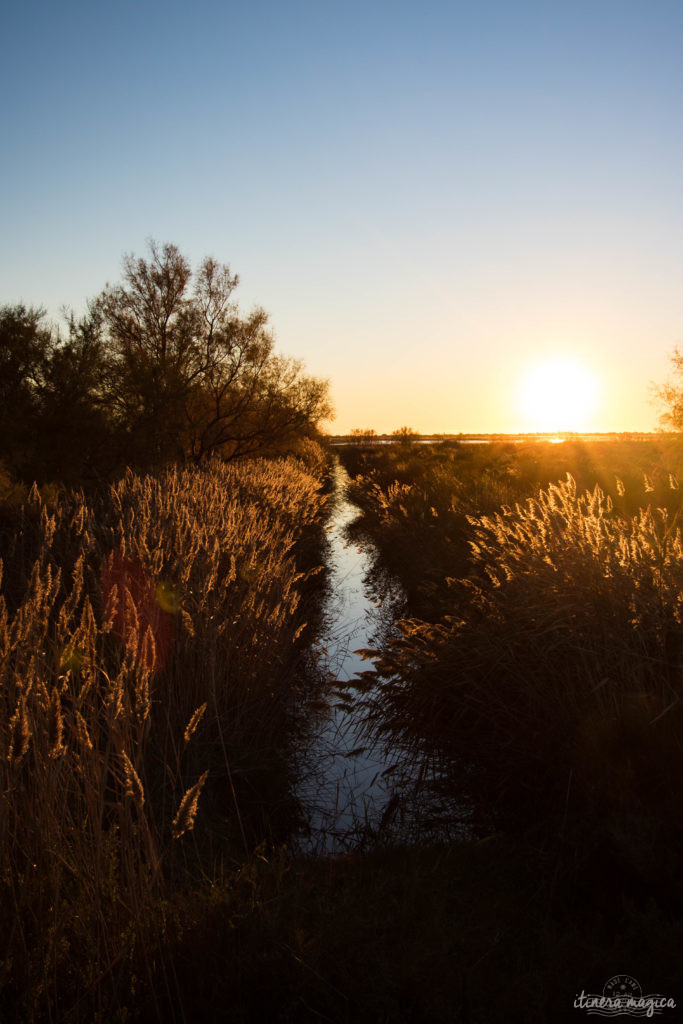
{"x": 558, "y": 394}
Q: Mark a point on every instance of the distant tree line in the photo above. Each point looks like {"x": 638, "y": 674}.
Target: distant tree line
{"x": 161, "y": 368}
{"x": 367, "y": 436}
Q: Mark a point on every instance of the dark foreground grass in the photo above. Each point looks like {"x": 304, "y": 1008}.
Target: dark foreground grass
{"x": 506, "y": 929}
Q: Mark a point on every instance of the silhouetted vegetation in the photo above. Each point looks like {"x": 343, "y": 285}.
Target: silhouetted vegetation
{"x": 54, "y": 421}
{"x": 162, "y": 368}
{"x": 669, "y": 395}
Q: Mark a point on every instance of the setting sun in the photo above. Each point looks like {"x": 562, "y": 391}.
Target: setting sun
{"x": 558, "y": 394}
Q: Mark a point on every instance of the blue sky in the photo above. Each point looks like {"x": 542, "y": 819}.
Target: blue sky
{"x": 429, "y": 199}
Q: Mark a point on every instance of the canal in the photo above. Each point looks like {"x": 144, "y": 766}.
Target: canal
{"x": 355, "y": 790}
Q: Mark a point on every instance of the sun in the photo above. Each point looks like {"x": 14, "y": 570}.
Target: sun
{"x": 558, "y": 394}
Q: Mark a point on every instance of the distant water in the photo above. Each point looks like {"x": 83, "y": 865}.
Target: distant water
{"x": 452, "y": 441}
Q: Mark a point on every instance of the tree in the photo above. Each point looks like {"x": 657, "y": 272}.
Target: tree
{"x": 187, "y": 376}
{"x": 670, "y": 395}
{"x": 363, "y": 435}
{"x": 51, "y": 417}
{"x": 75, "y": 428}
{"x": 24, "y": 344}
{"x": 405, "y": 435}
{"x": 161, "y": 368}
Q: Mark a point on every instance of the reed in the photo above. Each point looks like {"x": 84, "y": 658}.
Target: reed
{"x": 554, "y": 681}
{"x": 148, "y": 658}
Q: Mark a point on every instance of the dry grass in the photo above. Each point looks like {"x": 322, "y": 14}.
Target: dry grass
{"x": 555, "y": 679}
{"x": 415, "y": 504}
{"x": 146, "y": 645}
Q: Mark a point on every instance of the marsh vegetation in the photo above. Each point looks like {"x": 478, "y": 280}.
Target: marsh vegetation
{"x": 159, "y": 673}
{"x": 151, "y": 656}
{"x": 546, "y": 621}
{"x": 185, "y": 590}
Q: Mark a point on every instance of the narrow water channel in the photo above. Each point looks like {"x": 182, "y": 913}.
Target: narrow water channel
{"x": 355, "y": 791}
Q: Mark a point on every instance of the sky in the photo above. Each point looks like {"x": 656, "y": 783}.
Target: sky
{"x": 432, "y": 200}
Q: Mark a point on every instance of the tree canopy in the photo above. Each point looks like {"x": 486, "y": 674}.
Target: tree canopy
{"x": 163, "y": 367}
{"x": 670, "y": 395}
{"x": 53, "y": 422}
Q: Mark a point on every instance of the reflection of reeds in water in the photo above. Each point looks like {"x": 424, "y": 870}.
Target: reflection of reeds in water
{"x": 144, "y": 648}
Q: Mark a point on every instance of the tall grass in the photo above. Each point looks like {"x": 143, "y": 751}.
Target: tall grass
{"x": 543, "y": 662}
{"x": 556, "y": 678}
{"x": 415, "y": 503}
{"x": 148, "y": 646}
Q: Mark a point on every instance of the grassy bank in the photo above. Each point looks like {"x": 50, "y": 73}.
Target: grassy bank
{"x": 547, "y": 642}
{"x": 544, "y": 654}
{"x": 417, "y": 499}
{"x": 149, "y": 664}
{"x": 470, "y": 934}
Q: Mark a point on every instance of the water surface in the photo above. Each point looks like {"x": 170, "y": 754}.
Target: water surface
{"x": 355, "y": 790}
